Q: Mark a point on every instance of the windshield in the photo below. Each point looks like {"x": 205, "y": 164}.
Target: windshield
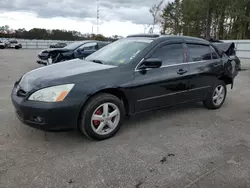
{"x": 119, "y": 52}
{"x": 13, "y": 41}
{"x": 74, "y": 45}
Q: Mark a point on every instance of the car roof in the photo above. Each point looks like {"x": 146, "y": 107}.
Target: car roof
{"x": 169, "y": 37}
{"x": 86, "y": 41}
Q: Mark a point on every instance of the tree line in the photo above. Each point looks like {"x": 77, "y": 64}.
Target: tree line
{"x": 218, "y": 19}
{"x": 55, "y": 34}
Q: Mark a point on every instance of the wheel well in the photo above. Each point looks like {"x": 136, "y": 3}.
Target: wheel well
{"x": 226, "y": 79}
{"x": 119, "y": 94}
{"x": 116, "y": 92}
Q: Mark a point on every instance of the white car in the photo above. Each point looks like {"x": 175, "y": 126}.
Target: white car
{"x": 14, "y": 44}
{"x": 2, "y": 44}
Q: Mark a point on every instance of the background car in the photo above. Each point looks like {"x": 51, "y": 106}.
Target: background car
{"x": 79, "y": 49}
{"x": 2, "y": 44}
{"x": 58, "y": 45}
{"x": 13, "y": 43}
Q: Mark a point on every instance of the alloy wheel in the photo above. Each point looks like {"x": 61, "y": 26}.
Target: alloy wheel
{"x": 105, "y": 118}
{"x": 219, "y": 95}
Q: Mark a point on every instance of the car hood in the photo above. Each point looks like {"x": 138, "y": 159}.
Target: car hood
{"x": 60, "y": 73}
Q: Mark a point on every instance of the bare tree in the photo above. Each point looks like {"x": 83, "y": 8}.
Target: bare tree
{"x": 155, "y": 11}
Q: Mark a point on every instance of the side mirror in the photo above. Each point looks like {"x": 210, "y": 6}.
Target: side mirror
{"x": 152, "y": 63}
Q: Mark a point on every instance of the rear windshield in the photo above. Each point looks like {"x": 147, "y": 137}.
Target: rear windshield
{"x": 74, "y": 45}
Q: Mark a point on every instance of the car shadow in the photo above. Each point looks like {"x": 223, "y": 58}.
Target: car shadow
{"x": 74, "y": 136}
{"x": 162, "y": 113}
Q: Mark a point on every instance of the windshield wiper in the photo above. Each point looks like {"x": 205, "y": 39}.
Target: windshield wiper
{"x": 96, "y": 61}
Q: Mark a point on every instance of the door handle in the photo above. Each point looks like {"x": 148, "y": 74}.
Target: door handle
{"x": 181, "y": 72}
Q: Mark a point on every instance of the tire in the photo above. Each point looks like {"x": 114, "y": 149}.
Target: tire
{"x": 210, "y": 101}
{"x": 89, "y": 126}
{"x": 17, "y": 47}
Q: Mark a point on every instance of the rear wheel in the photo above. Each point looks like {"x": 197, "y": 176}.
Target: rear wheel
{"x": 216, "y": 96}
{"x": 102, "y": 116}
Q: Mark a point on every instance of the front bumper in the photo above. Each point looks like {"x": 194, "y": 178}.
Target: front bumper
{"x": 47, "y": 116}
{"x": 43, "y": 59}
{"x": 42, "y": 62}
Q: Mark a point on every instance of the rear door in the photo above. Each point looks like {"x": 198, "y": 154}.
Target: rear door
{"x": 162, "y": 86}
{"x": 204, "y": 67}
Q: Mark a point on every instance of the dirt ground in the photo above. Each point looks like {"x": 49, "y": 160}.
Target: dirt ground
{"x": 180, "y": 147}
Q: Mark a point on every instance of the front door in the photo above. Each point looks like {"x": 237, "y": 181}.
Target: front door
{"x": 162, "y": 86}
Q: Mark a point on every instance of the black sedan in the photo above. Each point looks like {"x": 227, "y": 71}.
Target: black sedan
{"x": 127, "y": 77}
{"x": 79, "y": 49}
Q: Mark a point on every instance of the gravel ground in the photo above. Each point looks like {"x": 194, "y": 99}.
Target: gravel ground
{"x": 184, "y": 146}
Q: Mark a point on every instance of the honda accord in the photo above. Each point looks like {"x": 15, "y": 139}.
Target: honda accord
{"x": 130, "y": 76}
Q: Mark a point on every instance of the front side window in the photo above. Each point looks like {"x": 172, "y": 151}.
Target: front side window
{"x": 120, "y": 52}
{"x": 169, "y": 54}
{"x": 199, "y": 52}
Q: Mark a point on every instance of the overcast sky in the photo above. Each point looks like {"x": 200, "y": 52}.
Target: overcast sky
{"x": 120, "y": 17}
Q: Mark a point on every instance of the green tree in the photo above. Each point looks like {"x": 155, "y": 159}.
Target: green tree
{"x": 220, "y": 19}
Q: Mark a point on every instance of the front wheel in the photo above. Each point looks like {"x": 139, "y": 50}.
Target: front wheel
{"x": 216, "y": 96}
{"x": 102, "y": 116}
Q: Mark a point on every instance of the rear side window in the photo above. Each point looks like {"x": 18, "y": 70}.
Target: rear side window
{"x": 215, "y": 55}
{"x": 89, "y": 46}
{"x": 199, "y": 52}
{"x": 169, "y": 54}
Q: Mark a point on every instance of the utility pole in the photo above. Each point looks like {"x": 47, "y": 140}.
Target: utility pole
{"x": 97, "y": 17}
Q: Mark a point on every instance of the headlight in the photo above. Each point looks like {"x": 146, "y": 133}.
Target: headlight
{"x": 52, "y": 94}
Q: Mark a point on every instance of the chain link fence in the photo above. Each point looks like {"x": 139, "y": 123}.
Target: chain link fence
{"x": 242, "y": 46}
{"x": 39, "y": 44}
